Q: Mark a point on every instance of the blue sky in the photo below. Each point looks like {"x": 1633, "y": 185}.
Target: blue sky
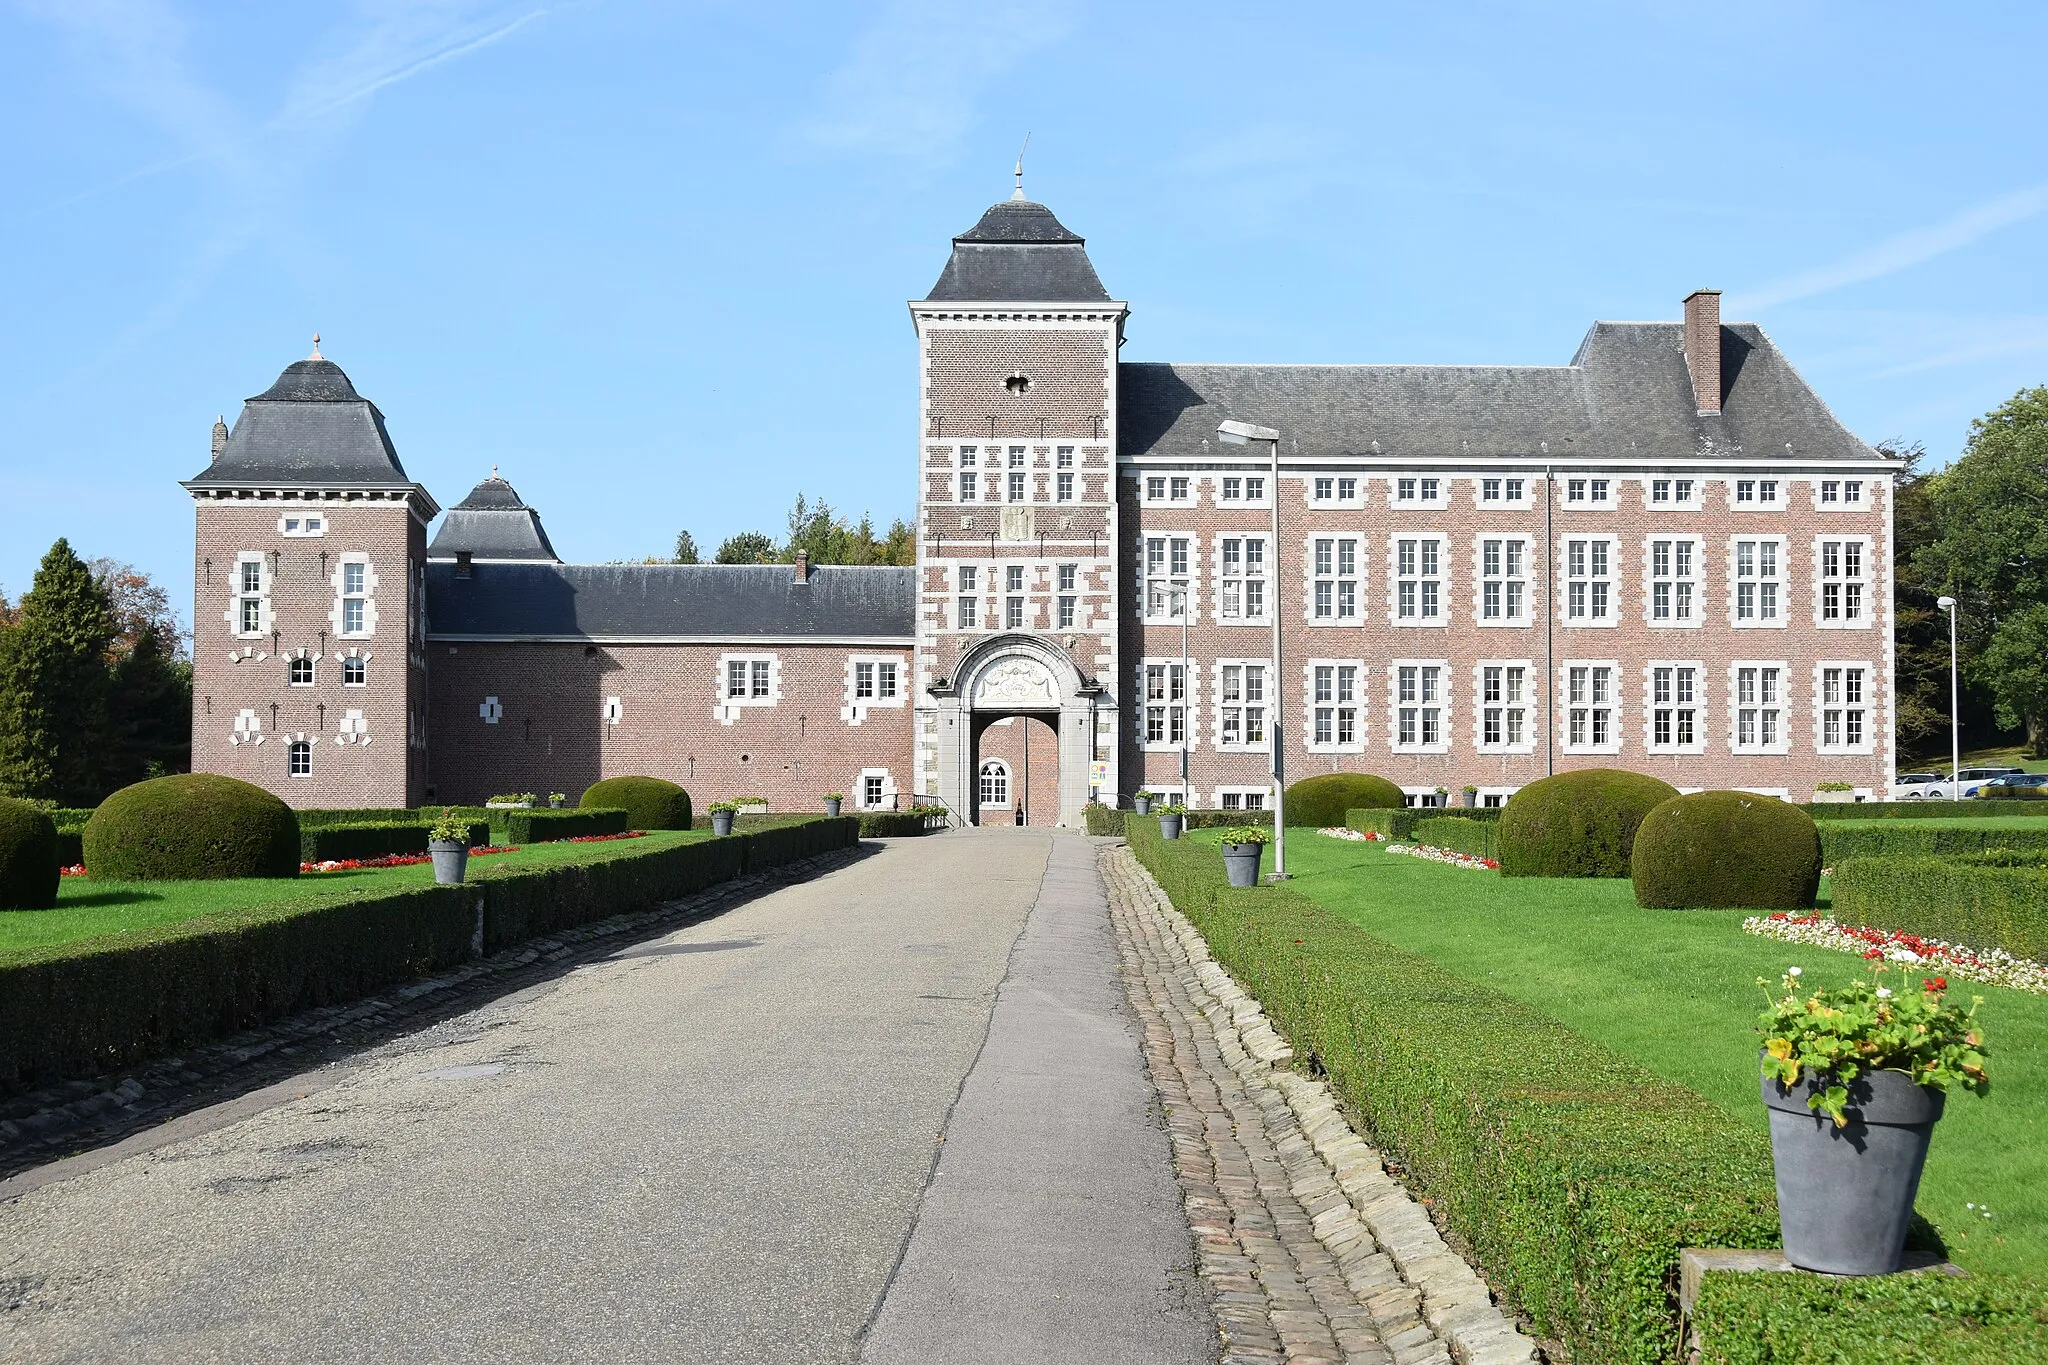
{"x": 651, "y": 259}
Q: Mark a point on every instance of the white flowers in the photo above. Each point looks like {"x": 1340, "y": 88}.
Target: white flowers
{"x": 1789, "y": 971}
{"x": 1993, "y": 966}
{"x": 1884, "y": 992}
{"x": 1448, "y": 857}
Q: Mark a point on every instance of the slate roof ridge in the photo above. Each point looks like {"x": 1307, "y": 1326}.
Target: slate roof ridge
{"x": 1341, "y": 365}
{"x": 1811, "y": 391}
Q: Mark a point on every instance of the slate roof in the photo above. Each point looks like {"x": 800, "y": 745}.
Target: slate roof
{"x": 492, "y": 523}
{"x": 309, "y": 429}
{"x": 1019, "y": 253}
{"x": 656, "y": 601}
{"x": 1626, "y": 395}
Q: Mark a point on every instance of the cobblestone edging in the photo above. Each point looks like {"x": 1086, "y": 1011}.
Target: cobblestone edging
{"x": 1314, "y": 1252}
{"x": 43, "y": 1125}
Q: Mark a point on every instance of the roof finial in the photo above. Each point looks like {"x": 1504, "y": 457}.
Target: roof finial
{"x": 316, "y": 348}
{"x": 494, "y": 471}
{"x": 1020, "y": 167}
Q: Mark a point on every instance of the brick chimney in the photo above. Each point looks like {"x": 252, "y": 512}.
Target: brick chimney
{"x": 803, "y": 566}
{"x": 220, "y": 436}
{"x": 1703, "y": 349}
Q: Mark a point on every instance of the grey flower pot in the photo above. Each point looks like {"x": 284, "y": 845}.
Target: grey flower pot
{"x": 451, "y": 859}
{"x": 1241, "y": 862}
{"x": 554, "y": 804}
{"x": 721, "y": 822}
{"x": 831, "y": 805}
{"x": 1170, "y": 826}
{"x": 1845, "y": 1195}
{"x": 1470, "y": 800}
{"x": 1141, "y": 805}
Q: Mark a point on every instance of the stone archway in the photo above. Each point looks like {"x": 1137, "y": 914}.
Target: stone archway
{"x": 1034, "y": 680}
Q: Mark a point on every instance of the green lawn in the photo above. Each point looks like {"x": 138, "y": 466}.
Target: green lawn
{"x": 87, "y": 908}
{"x": 1675, "y": 991}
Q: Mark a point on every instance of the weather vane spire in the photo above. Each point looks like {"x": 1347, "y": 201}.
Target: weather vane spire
{"x": 316, "y": 348}
{"x": 1020, "y": 166}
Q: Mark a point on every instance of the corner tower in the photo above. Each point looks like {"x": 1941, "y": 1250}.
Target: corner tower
{"x": 1017, "y": 584}
{"x": 309, "y": 644}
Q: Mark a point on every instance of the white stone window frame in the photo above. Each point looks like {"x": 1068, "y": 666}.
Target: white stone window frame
{"x": 1698, "y": 704}
{"x": 1527, "y": 576}
{"x": 1362, "y": 684}
{"x": 1446, "y": 718}
{"x": 1864, "y": 580}
{"x": 301, "y": 525}
{"x": 1267, "y": 682}
{"x": 247, "y": 727}
{"x": 292, "y": 744}
{"x": 1821, "y": 706}
{"x": 1243, "y": 792}
{"x": 490, "y": 711}
{"x": 1009, "y": 789}
{"x": 1565, "y": 704}
{"x": 1187, "y": 581}
{"x": 1783, "y": 580}
{"x": 1262, "y": 477}
{"x": 1783, "y": 744}
{"x": 1532, "y": 708}
{"x": 889, "y": 792}
{"x": 264, "y": 615}
{"x": 1594, "y": 483}
{"x": 1444, "y": 580}
{"x": 1016, "y": 474}
{"x": 1503, "y": 503}
{"x": 1694, "y": 503}
{"x": 1310, "y": 578}
{"x": 369, "y": 596}
{"x": 1164, "y": 497}
{"x": 302, "y": 655}
{"x": 853, "y": 709}
{"x": 612, "y": 711}
{"x": 727, "y": 710}
{"x": 1336, "y": 500}
{"x": 342, "y": 656}
{"x": 1418, "y": 503}
{"x": 1423, "y": 796}
{"x": 1191, "y": 702}
{"x": 1565, "y": 578}
{"x": 1781, "y": 502}
{"x": 1698, "y": 579}
{"x": 1493, "y": 797}
{"x": 352, "y": 728}
{"x": 1841, "y": 506}
{"x": 1268, "y": 578}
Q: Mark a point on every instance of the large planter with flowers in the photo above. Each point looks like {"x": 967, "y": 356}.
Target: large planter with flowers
{"x": 1141, "y": 804}
{"x": 722, "y": 815}
{"x": 1243, "y": 847}
{"x": 1854, "y": 1080}
{"x": 1172, "y": 821}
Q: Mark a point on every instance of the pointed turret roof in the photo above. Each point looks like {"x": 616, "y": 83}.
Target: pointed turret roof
{"x": 1019, "y": 253}
{"x": 492, "y": 523}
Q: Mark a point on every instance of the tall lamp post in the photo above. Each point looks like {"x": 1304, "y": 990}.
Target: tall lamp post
{"x": 1955, "y": 710}
{"x": 1234, "y": 433}
{"x": 1180, "y": 605}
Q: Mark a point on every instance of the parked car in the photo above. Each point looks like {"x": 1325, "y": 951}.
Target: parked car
{"x": 2012, "y": 782}
{"x": 1913, "y": 786}
{"x": 1935, "y": 786}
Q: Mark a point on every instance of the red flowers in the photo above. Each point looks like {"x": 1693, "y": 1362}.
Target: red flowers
{"x": 1934, "y": 983}
{"x": 601, "y": 838}
{"x": 392, "y": 860}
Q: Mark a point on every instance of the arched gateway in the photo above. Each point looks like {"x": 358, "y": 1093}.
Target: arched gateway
{"x": 1036, "y": 765}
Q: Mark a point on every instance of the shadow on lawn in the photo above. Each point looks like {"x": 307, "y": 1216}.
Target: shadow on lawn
{"x": 127, "y": 896}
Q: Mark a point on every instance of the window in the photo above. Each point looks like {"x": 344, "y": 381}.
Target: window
{"x": 1332, "y": 488}
{"x": 1759, "y": 707}
{"x": 874, "y": 789}
{"x": 1503, "y": 580}
{"x": 968, "y": 485}
{"x": 1015, "y": 489}
{"x": 1063, "y": 457}
{"x": 1418, "y": 705}
{"x": 1501, "y": 491}
{"x": 1063, "y": 486}
{"x": 1756, "y": 492}
{"x": 1843, "y": 582}
{"x": 1671, "y": 492}
{"x": 1239, "y": 488}
{"x": 1155, "y": 488}
{"x": 1232, "y": 490}
{"x": 1758, "y": 582}
{"x": 1418, "y": 581}
{"x": 968, "y": 615}
{"x": 1504, "y": 706}
{"x": 1177, "y": 488}
{"x": 1841, "y": 493}
{"x": 1241, "y": 798}
{"x": 1242, "y": 570}
{"x": 302, "y": 525}
{"x": 1589, "y": 582}
{"x": 1067, "y": 575}
{"x": 1333, "y": 705}
{"x": 300, "y": 758}
{"x": 1588, "y": 492}
{"x": 1844, "y": 707}
{"x": 1166, "y": 703}
{"x": 249, "y": 613}
{"x": 1589, "y": 712}
{"x": 1333, "y": 565}
{"x": 995, "y": 783}
{"x": 1013, "y": 602}
{"x": 1674, "y": 582}
{"x": 1166, "y": 577}
{"x": 355, "y": 598}
{"x": 1241, "y": 705}
{"x": 302, "y": 672}
{"x": 355, "y": 671}
{"x": 874, "y": 680}
{"x": 749, "y": 680}
{"x": 1418, "y": 490}
{"x": 1674, "y": 708}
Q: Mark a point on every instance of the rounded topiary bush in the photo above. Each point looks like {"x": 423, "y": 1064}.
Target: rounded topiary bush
{"x": 1321, "y": 801}
{"x": 28, "y": 857}
{"x": 1727, "y": 850}
{"x": 191, "y": 827}
{"x": 649, "y": 802}
{"x": 1578, "y": 824}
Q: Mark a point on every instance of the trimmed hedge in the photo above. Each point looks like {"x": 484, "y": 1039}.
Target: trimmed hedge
{"x": 1401, "y": 824}
{"x": 1104, "y": 820}
{"x": 649, "y": 802}
{"x": 1476, "y": 838}
{"x": 83, "y": 1008}
{"x": 1728, "y": 850}
{"x": 1929, "y": 1319}
{"x": 892, "y": 824}
{"x": 28, "y": 857}
{"x": 1577, "y": 824}
{"x": 371, "y": 815}
{"x": 1980, "y": 900}
{"x": 323, "y": 843}
{"x": 1923, "y": 810}
{"x": 1321, "y": 801}
{"x": 543, "y": 826}
{"x": 1573, "y": 1174}
{"x": 70, "y": 847}
{"x": 1910, "y": 838}
{"x": 194, "y": 826}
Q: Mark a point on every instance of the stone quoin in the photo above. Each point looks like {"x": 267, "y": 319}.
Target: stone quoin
{"x": 1666, "y": 555}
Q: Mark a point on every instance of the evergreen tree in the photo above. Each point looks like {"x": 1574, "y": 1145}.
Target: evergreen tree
{"x": 748, "y": 547}
{"x": 151, "y": 710}
{"x": 686, "y": 548}
{"x": 54, "y": 684}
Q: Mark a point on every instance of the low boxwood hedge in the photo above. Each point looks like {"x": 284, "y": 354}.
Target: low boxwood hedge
{"x": 1923, "y": 810}
{"x": 1994, "y": 899}
{"x": 83, "y": 1008}
{"x": 1321, "y": 801}
{"x": 541, "y": 826}
{"x": 369, "y": 815}
{"x": 1401, "y": 824}
{"x": 324, "y": 843}
{"x": 1104, "y": 820}
{"x": 1922, "y": 837}
{"x": 1726, "y": 849}
{"x": 1475, "y": 838}
{"x": 194, "y": 826}
{"x": 1927, "y": 1319}
{"x": 1573, "y": 1174}
{"x": 1577, "y": 824}
{"x": 28, "y": 857}
{"x": 892, "y": 824}
{"x": 649, "y": 802}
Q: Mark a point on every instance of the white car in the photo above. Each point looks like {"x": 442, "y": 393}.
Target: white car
{"x": 1935, "y": 786}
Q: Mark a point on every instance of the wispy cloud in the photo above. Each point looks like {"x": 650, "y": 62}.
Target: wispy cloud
{"x": 390, "y": 52}
{"x": 1898, "y": 253}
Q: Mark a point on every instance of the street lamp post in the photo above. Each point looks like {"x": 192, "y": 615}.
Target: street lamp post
{"x": 1955, "y": 710}
{"x": 1234, "y": 433}
{"x": 1187, "y": 794}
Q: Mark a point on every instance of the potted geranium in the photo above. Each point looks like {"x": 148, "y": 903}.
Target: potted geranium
{"x": 1243, "y": 847}
{"x": 1470, "y": 794}
{"x": 1173, "y": 818}
{"x": 555, "y": 800}
{"x": 722, "y": 813}
{"x": 1833, "y": 793}
{"x": 1142, "y": 802}
{"x": 832, "y": 801}
{"x": 448, "y": 845}
{"x": 1855, "y": 1079}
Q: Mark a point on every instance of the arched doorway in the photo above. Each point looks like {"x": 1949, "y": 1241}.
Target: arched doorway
{"x": 1018, "y": 700}
{"x": 1017, "y": 768}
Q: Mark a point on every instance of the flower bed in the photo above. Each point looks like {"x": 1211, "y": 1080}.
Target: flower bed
{"x": 75, "y": 870}
{"x": 1449, "y": 857}
{"x": 392, "y": 860}
{"x": 1993, "y": 966}
{"x": 1356, "y": 836}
